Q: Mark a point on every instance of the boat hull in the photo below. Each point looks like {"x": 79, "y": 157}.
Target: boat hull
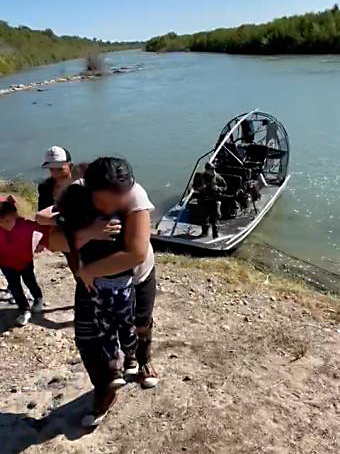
{"x": 232, "y": 233}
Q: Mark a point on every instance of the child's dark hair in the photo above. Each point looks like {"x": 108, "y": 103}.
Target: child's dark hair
{"x": 7, "y": 207}
{"x": 75, "y": 207}
{"x": 112, "y": 174}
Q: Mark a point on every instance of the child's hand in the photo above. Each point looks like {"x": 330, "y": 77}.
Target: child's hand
{"x": 99, "y": 230}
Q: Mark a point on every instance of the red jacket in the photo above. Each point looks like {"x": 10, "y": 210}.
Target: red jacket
{"x": 16, "y": 246}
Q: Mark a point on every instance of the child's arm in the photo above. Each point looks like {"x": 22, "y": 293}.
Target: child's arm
{"x": 137, "y": 238}
{"x": 99, "y": 230}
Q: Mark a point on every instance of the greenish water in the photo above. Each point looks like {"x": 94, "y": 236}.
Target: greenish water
{"x": 169, "y": 113}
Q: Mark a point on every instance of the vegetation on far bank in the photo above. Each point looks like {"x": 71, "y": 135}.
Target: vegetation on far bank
{"x": 311, "y": 33}
{"x": 22, "y": 47}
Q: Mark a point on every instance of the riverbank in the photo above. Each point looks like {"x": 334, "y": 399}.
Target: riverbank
{"x": 247, "y": 363}
{"x": 310, "y": 33}
{"x": 21, "y": 47}
{"x": 41, "y": 86}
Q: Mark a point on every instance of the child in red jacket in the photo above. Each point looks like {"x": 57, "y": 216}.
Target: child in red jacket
{"x": 18, "y": 240}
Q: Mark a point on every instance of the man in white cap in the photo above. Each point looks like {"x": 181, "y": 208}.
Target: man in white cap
{"x": 59, "y": 162}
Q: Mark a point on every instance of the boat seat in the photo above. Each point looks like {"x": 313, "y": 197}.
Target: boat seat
{"x": 234, "y": 183}
{"x": 257, "y": 153}
{"x": 240, "y": 171}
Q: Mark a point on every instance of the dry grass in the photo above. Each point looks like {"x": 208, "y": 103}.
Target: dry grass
{"x": 239, "y": 275}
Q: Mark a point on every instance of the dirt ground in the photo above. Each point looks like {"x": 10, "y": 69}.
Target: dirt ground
{"x": 248, "y": 364}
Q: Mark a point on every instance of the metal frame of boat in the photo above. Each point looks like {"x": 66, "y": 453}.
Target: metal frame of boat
{"x": 172, "y": 228}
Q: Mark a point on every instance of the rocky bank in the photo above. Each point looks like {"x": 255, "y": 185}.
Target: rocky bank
{"x": 248, "y": 362}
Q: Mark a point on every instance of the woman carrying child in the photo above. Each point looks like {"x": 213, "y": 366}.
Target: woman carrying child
{"x": 104, "y": 301}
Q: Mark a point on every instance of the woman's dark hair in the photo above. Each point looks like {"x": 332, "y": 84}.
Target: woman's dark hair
{"x": 112, "y": 174}
{"x": 7, "y": 207}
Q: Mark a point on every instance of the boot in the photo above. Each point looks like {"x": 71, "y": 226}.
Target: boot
{"x": 148, "y": 377}
{"x": 214, "y": 231}
{"x": 205, "y": 231}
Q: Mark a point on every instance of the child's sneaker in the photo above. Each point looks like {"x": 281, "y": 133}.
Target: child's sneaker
{"x": 118, "y": 380}
{"x": 23, "y": 318}
{"x": 131, "y": 365}
{"x": 148, "y": 377}
{"x": 37, "y": 306}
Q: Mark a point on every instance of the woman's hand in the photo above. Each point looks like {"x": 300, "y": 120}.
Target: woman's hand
{"x": 99, "y": 230}
{"x": 87, "y": 278}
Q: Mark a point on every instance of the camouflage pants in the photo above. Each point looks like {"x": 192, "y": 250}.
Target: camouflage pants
{"x": 104, "y": 325}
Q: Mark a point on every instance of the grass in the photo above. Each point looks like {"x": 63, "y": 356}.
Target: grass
{"x": 242, "y": 276}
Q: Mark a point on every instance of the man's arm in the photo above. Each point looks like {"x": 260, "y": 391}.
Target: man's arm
{"x": 57, "y": 241}
{"x": 221, "y": 182}
{"x": 137, "y": 238}
{"x": 48, "y": 216}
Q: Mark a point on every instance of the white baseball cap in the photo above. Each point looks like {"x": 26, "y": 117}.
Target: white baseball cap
{"x": 55, "y": 157}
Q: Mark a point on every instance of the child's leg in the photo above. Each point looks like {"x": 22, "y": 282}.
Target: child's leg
{"x": 96, "y": 338}
{"x": 98, "y": 346}
{"x": 124, "y": 310}
{"x": 31, "y": 282}
{"x": 15, "y": 286}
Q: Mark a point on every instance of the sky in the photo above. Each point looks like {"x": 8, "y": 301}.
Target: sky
{"x": 126, "y": 20}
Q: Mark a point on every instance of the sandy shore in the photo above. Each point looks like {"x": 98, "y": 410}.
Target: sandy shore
{"x": 249, "y": 363}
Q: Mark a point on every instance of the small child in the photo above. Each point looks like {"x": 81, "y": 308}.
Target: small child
{"x": 17, "y": 244}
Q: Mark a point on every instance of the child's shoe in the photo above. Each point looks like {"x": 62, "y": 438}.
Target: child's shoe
{"x": 37, "y": 306}
{"x": 131, "y": 365}
{"x": 118, "y": 380}
{"x": 23, "y": 318}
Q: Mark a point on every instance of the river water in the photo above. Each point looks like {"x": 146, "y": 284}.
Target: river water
{"x": 165, "y": 115}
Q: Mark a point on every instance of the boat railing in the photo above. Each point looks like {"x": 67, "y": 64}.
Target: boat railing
{"x": 188, "y": 186}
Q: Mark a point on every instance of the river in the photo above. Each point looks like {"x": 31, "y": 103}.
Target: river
{"x": 171, "y": 111}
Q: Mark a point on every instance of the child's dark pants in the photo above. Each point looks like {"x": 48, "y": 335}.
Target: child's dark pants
{"x": 13, "y": 278}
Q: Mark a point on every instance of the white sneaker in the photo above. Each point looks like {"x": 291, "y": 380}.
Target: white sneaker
{"x": 148, "y": 376}
{"x": 131, "y": 366}
{"x": 91, "y": 420}
{"x": 118, "y": 382}
{"x": 38, "y": 306}
{"x": 23, "y": 319}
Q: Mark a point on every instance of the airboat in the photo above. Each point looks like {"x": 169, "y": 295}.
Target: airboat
{"x": 252, "y": 156}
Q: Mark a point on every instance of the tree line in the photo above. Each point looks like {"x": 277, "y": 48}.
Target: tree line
{"x": 21, "y": 47}
{"x": 311, "y": 33}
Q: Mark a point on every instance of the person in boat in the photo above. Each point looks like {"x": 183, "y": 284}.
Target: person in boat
{"x": 104, "y": 300}
{"x": 209, "y": 194}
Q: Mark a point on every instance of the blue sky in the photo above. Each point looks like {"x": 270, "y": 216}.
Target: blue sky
{"x": 141, "y": 19}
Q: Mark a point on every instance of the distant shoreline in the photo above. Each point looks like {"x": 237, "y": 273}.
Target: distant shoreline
{"x": 307, "y": 34}
{"x": 40, "y": 86}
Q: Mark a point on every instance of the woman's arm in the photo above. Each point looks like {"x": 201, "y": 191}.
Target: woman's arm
{"x": 47, "y": 216}
{"x": 137, "y": 238}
